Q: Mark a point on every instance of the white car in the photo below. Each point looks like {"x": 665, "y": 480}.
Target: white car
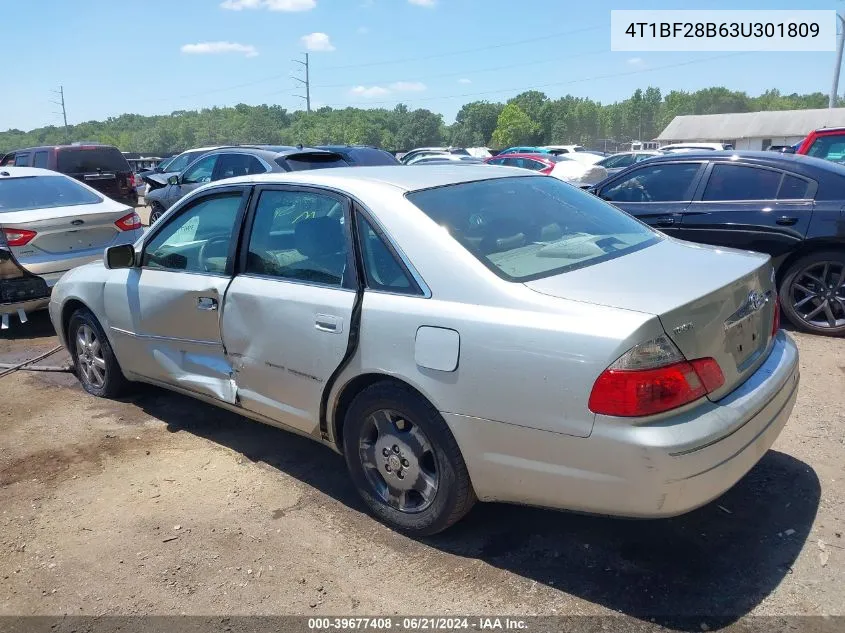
{"x": 50, "y": 223}
{"x": 575, "y": 152}
{"x": 695, "y": 147}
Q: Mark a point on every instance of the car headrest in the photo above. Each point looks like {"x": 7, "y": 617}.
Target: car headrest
{"x": 319, "y": 236}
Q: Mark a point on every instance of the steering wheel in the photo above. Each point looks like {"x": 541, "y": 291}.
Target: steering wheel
{"x": 205, "y": 250}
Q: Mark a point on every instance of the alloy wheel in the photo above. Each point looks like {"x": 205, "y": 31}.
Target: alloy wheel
{"x": 817, "y": 294}
{"x": 89, "y": 356}
{"x": 398, "y": 460}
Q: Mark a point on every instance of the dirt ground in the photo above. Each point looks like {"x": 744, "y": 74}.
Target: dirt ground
{"x": 162, "y": 505}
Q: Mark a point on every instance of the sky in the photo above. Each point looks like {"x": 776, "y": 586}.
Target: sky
{"x": 156, "y": 56}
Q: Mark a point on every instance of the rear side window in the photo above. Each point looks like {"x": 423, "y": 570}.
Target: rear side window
{"x": 666, "y": 182}
{"x": 39, "y": 159}
{"x": 22, "y": 160}
{"x": 529, "y": 227}
{"x": 232, "y": 165}
{"x": 739, "y": 182}
{"x": 623, "y": 160}
{"x": 303, "y": 162}
{"x": 43, "y": 192}
{"x": 793, "y": 188}
{"x": 830, "y": 147}
{"x": 382, "y": 269}
{"x": 73, "y": 160}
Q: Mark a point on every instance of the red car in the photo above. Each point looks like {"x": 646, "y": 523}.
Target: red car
{"x": 827, "y": 143}
{"x": 542, "y": 163}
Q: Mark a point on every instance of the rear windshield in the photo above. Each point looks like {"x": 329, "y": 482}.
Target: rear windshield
{"x": 82, "y": 160}
{"x": 302, "y": 162}
{"x": 526, "y": 228}
{"x": 369, "y": 157}
{"x": 43, "y": 192}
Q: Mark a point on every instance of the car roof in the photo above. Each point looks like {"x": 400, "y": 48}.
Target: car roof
{"x": 403, "y": 177}
{"x": 22, "y": 172}
{"x": 793, "y": 162}
{"x": 282, "y": 150}
{"x": 537, "y": 155}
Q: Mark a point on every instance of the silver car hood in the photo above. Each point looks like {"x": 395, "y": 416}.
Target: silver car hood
{"x": 711, "y": 302}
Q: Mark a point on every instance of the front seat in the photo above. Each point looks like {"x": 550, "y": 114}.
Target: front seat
{"x": 322, "y": 243}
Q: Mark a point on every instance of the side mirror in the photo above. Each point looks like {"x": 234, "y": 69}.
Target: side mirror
{"x": 173, "y": 180}
{"x": 122, "y": 256}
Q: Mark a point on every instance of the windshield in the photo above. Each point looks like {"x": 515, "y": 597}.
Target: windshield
{"x": 525, "y": 228}
{"x": 179, "y": 163}
{"x": 304, "y": 161}
{"x": 164, "y": 164}
{"x": 43, "y": 192}
{"x": 81, "y": 160}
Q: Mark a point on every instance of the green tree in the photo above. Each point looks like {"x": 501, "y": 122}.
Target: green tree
{"x": 514, "y": 127}
{"x": 475, "y": 123}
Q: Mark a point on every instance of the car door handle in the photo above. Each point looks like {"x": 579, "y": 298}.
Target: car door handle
{"x": 208, "y": 304}
{"x": 785, "y": 221}
{"x": 666, "y": 220}
{"x": 328, "y": 323}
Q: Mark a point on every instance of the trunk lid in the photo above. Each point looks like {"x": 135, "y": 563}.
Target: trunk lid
{"x": 711, "y": 302}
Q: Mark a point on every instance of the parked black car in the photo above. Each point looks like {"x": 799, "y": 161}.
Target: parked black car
{"x": 791, "y": 207}
{"x": 362, "y": 155}
{"x": 241, "y": 160}
{"x": 102, "y": 167}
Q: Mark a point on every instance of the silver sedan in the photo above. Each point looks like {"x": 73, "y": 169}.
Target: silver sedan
{"x": 458, "y": 333}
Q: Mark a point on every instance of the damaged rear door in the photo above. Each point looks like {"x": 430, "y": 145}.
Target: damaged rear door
{"x": 165, "y": 314}
{"x": 288, "y": 313}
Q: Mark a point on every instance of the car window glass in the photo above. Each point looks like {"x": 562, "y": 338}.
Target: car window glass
{"x": 299, "y": 235}
{"x": 198, "y": 239}
{"x": 21, "y": 160}
{"x": 232, "y": 165}
{"x": 43, "y": 192}
{"x": 76, "y": 160}
{"x": 534, "y": 165}
{"x": 658, "y": 183}
{"x": 183, "y": 160}
{"x": 740, "y": 182}
{"x": 513, "y": 162}
{"x": 39, "y": 159}
{"x": 831, "y": 147}
{"x": 201, "y": 171}
{"x": 793, "y": 188}
{"x": 381, "y": 268}
{"x": 531, "y": 226}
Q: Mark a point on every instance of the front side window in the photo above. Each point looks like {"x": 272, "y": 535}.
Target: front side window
{"x": 666, "y": 182}
{"x": 299, "y": 235}
{"x": 21, "y": 160}
{"x": 43, "y": 192}
{"x": 740, "y": 182}
{"x": 830, "y": 147}
{"x": 382, "y": 270}
{"x": 198, "y": 240}
{"x": 201, "y": 171}
{"x": 529, "y": 227}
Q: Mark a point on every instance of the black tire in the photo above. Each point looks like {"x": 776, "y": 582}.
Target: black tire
{"x": 791, "y": 294}
{"x": 113, "y": 381}
{"x": 156, "y": 211}
{"x": 454, "y": 496}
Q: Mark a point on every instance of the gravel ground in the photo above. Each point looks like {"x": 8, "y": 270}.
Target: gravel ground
{"x": 158, "y": 504}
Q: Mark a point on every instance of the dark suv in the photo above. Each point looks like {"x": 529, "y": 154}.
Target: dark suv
{"x": 362, "y": 155}
{"x": 791, "y": 207}
{"x": 102, "y": 167}
{"x": 241, "y": 160}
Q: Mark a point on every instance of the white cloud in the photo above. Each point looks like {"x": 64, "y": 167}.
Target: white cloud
{"x": 362, "y": 30}
{"x": 368, "y": 92}
{"x": 318, "y": 42}
{"x": 636, "y": 61}
{"x": 290, "y": 6}
{"x": 464, "y": 80}
{"x": 423, "y": 3}
{"x": 408, "y": 86}
{"x": 211, "y": 48}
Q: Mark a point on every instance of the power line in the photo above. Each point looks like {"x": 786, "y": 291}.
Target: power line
{"x": 306, "y": 82}
{"x": 551, "y": 84}
{"x": 61, "y": 93}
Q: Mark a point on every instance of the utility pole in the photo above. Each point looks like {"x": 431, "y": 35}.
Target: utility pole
{"x": 306, "y": 82}
{"x": 61, "y": 93}
{"x": 840, "y": 43}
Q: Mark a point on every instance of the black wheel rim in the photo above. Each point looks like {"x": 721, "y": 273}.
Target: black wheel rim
{"x": 817, "y": 295}
{"x": 398, "y": 460}
{"x": 89, "y": 357}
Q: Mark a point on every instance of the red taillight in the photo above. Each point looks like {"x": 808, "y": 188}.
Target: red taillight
{"x": 548, "y": 170}
{"x": 652, "y": 378}
{"x": 776, "y": 319}
{"x": 18, "y": 237}
{"x": 129, "y": 222}
{"x": 130, "y": 180}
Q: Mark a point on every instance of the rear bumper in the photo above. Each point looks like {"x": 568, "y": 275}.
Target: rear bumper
{"x": 656, "y": 470}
